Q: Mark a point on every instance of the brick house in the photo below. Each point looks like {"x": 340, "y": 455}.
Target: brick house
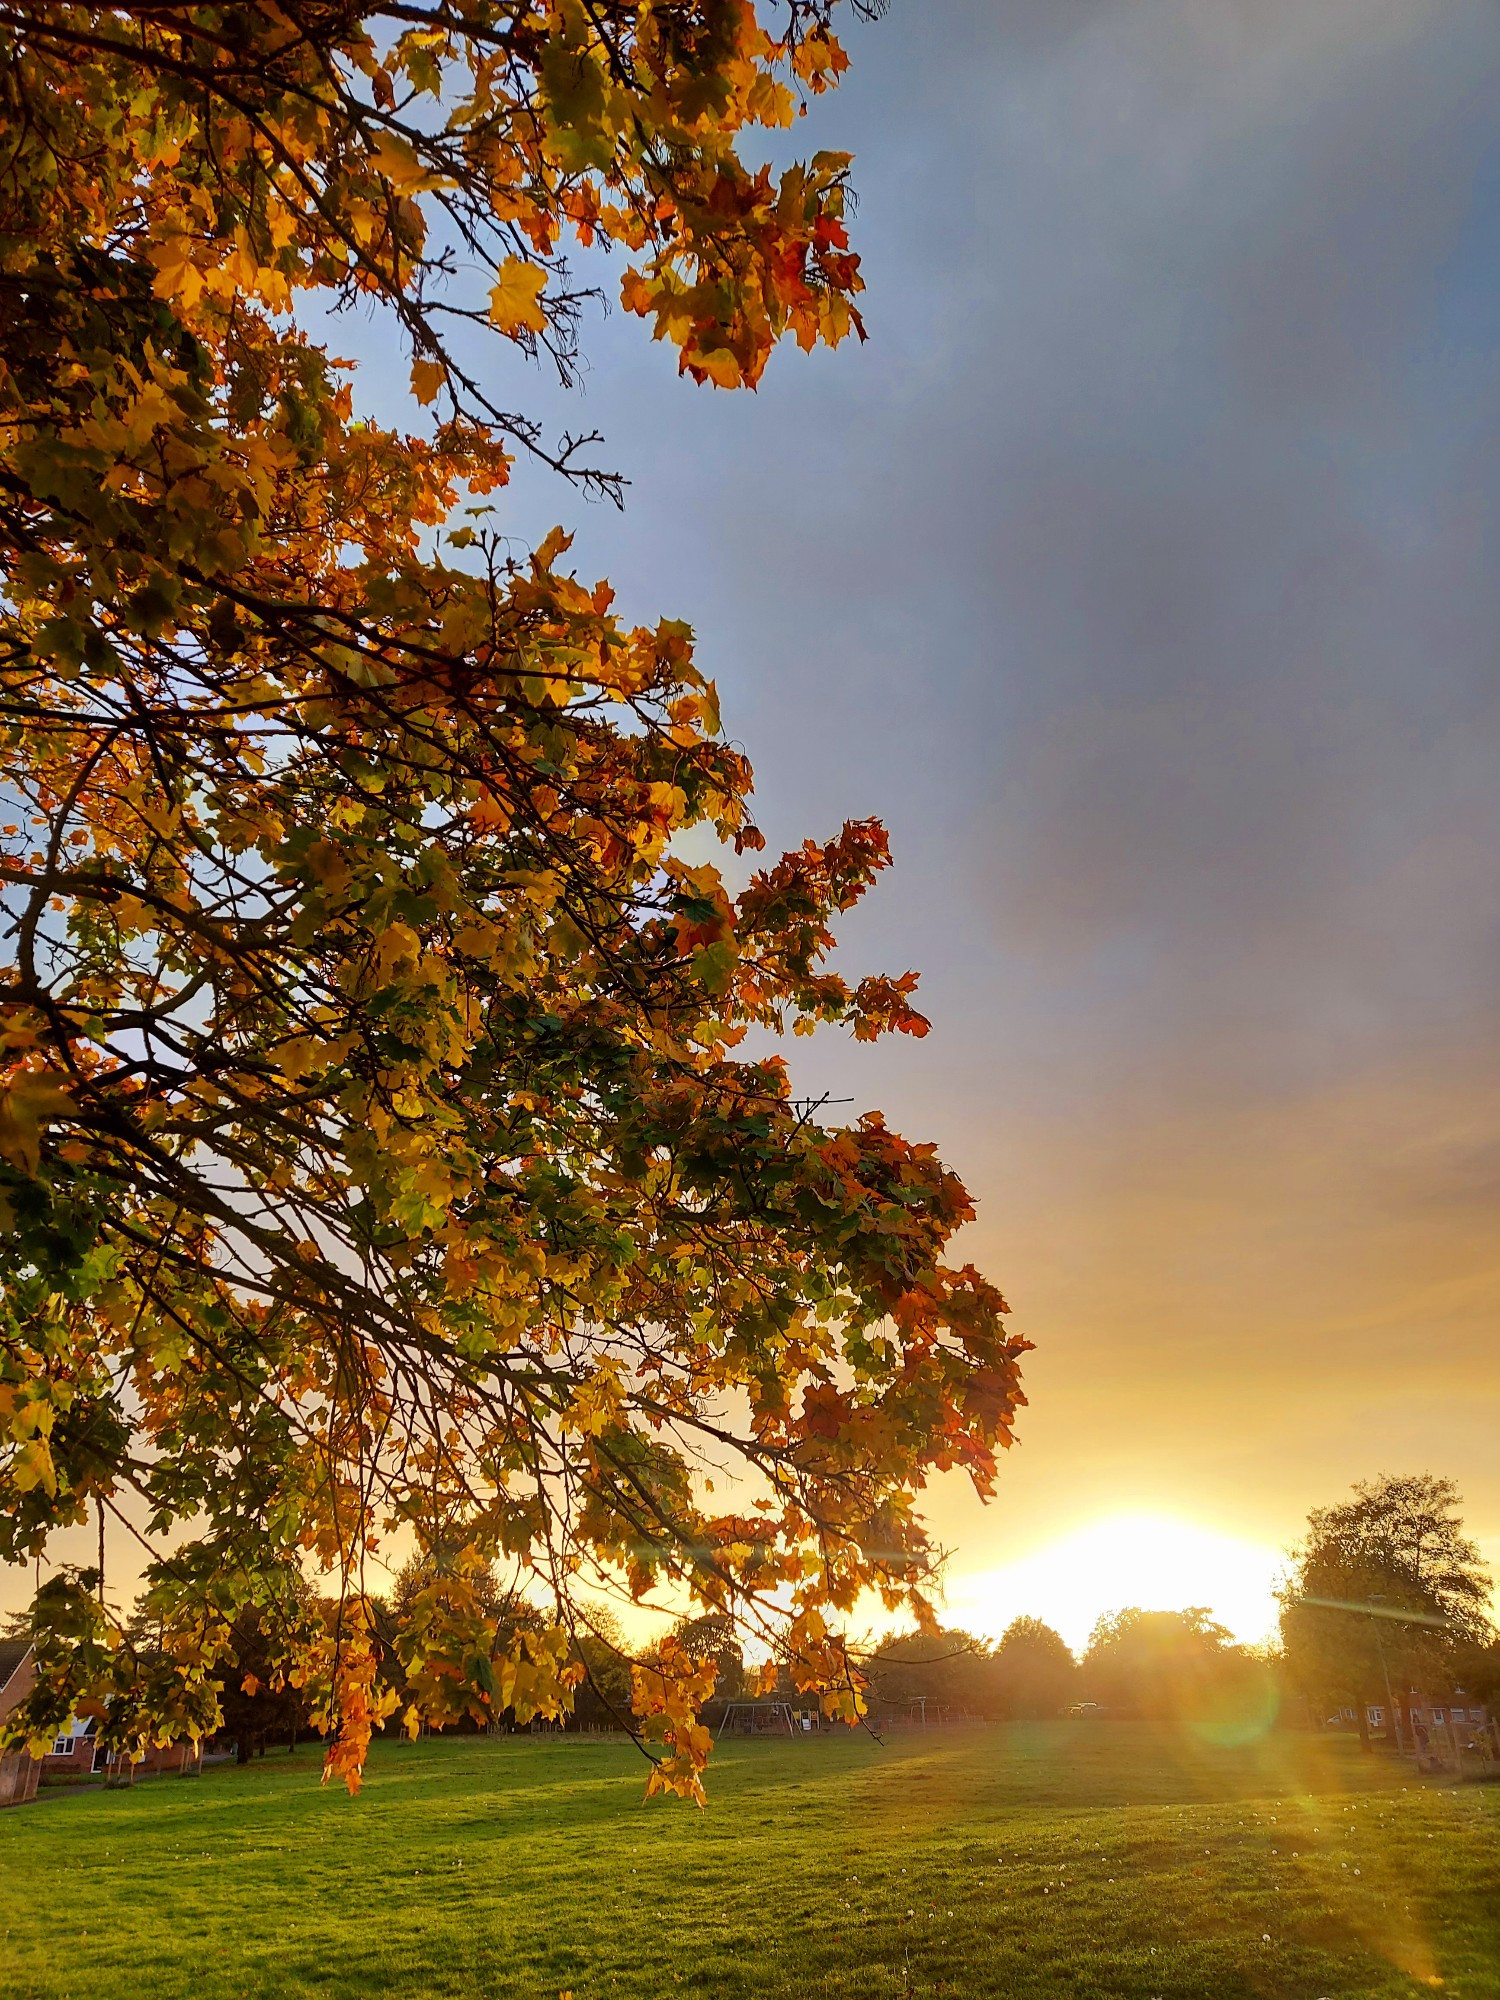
{"x": 76, "y": 1752}
{"x": 18, "y": 1771}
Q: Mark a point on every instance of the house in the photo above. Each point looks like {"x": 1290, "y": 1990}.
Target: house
{"x": 19, "y": 1772}
{"x": 1453, "y": 1723}
{"x": 75, "y": 1751}
{"x": 1457, "y": 1722}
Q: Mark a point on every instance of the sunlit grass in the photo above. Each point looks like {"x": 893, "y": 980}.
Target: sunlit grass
{"x": 1090, "y": 1860}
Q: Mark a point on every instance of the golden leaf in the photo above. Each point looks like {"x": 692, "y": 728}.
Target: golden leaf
{"x": 515, "y": 298}
{"x": 30, "y": 1103}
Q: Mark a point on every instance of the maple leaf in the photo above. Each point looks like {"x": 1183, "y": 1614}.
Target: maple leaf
{"x": 27, "y": 1104}
{"x": 515, "y": 297}
{"x": 427, "y": 378}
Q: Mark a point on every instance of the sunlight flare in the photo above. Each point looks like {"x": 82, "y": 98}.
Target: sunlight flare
{"x": 1155, "y": 1560}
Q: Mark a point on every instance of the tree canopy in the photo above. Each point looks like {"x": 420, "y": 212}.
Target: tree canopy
{"x": 1386, "y": 1592}
{"x": 380, "y": 1155}
{"x": 1035, "y": 1669}
{"x": 1179, "y": 1665}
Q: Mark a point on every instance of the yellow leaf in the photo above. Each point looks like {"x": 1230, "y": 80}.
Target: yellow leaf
{"x": 427, "y": 377}
{"x": 721, "y": 368}
{"x": 177, "y": 276}
{"x": 396, "y": 160}
{"x": 32, "y": 1466}
{"x": 515, "y": 299}
{"x": 636, "y": 295}
{"x": 29, "y": 1104}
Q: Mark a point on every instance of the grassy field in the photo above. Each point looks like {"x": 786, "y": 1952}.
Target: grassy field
{"x": 1077, "y": 1860}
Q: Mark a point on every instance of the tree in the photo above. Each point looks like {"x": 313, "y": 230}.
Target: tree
{"x": 1035, "y": 1669}
{"x": 1164, "y": 1665}
{"x": 374, "y": 1145}
{"x": 600, "y": 1649}
{"x": 945, "y": 1669}
{"x": 447, "y": 1581}
{"x": 1385, "y": 1592}
{"x": 712, "y": 1636}
{"x": 256, "y": 1700}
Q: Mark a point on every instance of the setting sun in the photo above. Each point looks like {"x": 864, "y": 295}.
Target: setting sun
{"x": 1156, "y": 1561}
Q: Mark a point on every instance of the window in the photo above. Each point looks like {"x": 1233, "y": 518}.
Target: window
{"x": 1437, "y": 1715}
{"x": 62, "y": 1746}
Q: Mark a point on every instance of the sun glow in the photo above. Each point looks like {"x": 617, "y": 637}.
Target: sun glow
{"x": 1155, "y": 1561}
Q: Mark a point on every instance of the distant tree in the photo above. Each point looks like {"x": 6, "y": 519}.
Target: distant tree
{"x": 1035, "y": 1672}
{"x": 426, "y": 1573}
{"x": 1385, "y": 1593}
{"x": 462, "y": 1647}
{"x": 1160, "y": 1664}
{"x": 259, "y": 1704}
{"x": 947, "y": 1669}
{"x": 713, "y": 1636}
{"x": 600, "y": 1648}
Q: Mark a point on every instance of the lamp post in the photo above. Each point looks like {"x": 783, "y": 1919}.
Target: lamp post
{"x": 1385, "y": 1673}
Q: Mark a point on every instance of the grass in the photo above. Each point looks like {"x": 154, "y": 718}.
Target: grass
{"x": 1081, "y": 1860}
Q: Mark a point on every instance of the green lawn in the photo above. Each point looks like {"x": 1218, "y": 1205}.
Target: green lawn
{"x": 1078, "y": 1860}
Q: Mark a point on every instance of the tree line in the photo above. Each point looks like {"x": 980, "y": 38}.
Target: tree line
{"x": 1384, "y": 1610}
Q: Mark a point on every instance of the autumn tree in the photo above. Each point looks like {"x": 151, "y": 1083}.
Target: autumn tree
{"x": 1385, "y": 1593}
{"x": 378, "y": 1144}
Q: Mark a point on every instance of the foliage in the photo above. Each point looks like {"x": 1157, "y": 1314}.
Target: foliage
{"x": 950, "y": 1671}
{"x": 1179, "y": 1665}
{"x": 374, "y": 1148}
{"x": 1035, "y": 1670}
{"x": 1386, "y": 1592}
{"x": 1034, "y": 1863}
{"x": 261, "y": 1703}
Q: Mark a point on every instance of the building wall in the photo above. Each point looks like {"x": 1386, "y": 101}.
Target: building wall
{"x": 19, "y": 1771}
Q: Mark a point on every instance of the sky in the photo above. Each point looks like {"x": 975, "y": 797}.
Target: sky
{"x": 1140, "y": 573}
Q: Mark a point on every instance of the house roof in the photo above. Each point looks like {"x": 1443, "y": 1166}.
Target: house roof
{"x": 12, "y": 1653}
